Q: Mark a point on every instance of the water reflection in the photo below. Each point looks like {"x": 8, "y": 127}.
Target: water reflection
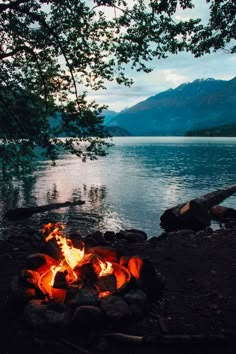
{"x": 17, "y": 191}
{"x": 52, "y": 194}
{"x": 129, "y": 188}
{"x": 78, "y": 218}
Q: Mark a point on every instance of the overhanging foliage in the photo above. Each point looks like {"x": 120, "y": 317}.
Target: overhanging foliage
{"x": 51, "y": 50}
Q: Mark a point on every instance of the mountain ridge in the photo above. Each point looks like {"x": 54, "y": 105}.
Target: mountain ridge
{"x": 203, "y": 103}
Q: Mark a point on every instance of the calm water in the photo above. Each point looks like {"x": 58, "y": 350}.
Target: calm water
{"x": 130, "y": 188}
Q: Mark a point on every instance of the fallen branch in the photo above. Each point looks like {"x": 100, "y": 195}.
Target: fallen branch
{"x": 27, "y": 212}
{"x": 78, "y": 348}
{"x": 168, "y": 338}
{"x": 62, "y": 341}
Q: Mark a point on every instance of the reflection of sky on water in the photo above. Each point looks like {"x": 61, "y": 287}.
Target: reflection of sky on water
{"x": 131, "y": 187}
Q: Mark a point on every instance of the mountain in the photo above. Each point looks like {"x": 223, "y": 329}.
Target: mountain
{"x": 222, "y": 130}
{"x": 117, "y": 131}
{"x": 108, "y": 115}
{"x": 203, "y": 103}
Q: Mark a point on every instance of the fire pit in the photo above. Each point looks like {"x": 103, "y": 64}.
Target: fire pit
{"x": 89, "y": 287}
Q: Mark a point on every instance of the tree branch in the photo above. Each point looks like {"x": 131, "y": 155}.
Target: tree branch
{"x": 39, "y": 19}
{"x": 13, "y": 52}
{"x": 11, "y": 5}
{"x": 29, "y": 50}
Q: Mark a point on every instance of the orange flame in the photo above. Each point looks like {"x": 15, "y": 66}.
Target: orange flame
{"x": 54, "y": 270}
{"x": 105, "y": 268}
{"x": 135, "y": 265}
{"x": 73, "y": 258}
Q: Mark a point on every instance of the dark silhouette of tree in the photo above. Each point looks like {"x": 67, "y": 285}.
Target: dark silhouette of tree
{"x": 51, "y": 50}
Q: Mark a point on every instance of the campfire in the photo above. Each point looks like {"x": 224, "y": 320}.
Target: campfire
{"x": 96, "y": 281}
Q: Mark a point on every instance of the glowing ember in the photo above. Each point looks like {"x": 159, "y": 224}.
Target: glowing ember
{"x": 104, "y": 294}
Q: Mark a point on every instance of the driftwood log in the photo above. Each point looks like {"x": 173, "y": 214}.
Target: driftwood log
{"x": 195, "y": 213}
{"x": 27, "y": 212}
{"x": 222, "y": 213}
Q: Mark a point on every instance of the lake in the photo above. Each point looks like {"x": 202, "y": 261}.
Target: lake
{"x": 130, "y": 188}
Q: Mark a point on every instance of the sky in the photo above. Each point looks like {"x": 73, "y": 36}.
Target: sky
{"x": 169, "y": 73}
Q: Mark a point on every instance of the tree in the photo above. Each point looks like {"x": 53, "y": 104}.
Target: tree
{"x": 51, "y": 50}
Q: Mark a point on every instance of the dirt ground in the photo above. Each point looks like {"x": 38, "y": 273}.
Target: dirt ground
{"x": 199, "y": 270}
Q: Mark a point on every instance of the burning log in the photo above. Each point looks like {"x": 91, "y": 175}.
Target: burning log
{"x": 75, "y": 268}
{"x": 86, "y": 273}
{"x": 106, "y": 285}
{"x": 195, "y": 213}
{"x": 59, "y": 288}
{"x": 83, "y": 283}
{"x": 27, "y": 212}
{"x": 40, "y": 262}
{"x": 108, "y": 253}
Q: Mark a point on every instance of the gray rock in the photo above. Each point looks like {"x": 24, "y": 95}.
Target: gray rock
{"x": 88, "y": 317}
{"x": 116, "y": 309}
{"x": 120, "y": 243}
{"x": 184, "y": 232}
{"x": 136, "y": 296}
{"x": 132, "y": 236}
{"x": 231, "y": 224}
{"x": 90, "y": 241}
{"x": 34, "y": 314}
{"x": 138, "y": 312}
{"x": 98, "y": 236}
{"x": 55, "y": 319}
{"x": 207, "y": 231}
{"x": 136, "y": 231}
{"x": 153, "y": 241}
{"x": 102, "y": 345}
{"x": 110, "y": 236}
{"x": 37, "y": 315}
{"x": 84, "y": 296}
